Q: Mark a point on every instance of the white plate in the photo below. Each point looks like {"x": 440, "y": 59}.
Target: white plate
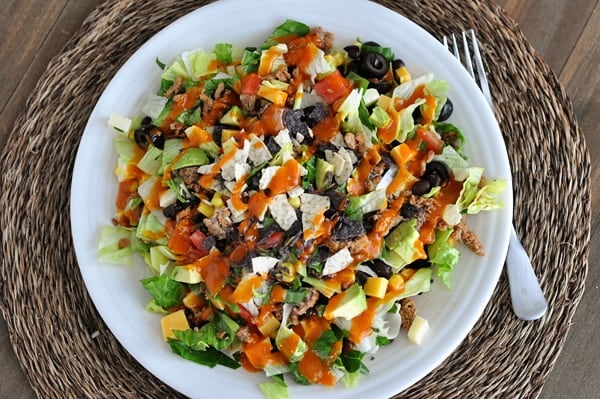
{"x": 120, "y": 298}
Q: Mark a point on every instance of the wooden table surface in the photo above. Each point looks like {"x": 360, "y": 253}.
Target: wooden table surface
{"x": 564, "y": 32}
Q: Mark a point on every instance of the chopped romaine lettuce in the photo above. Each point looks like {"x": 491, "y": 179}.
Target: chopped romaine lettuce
{"x": 487, "y": 197}
{"x": 224, "y": 52}
{"x": 274, "y": 389}
{"x": 154, "y": 106}
{"x": 151, "y": 162}
{"x": 438, "y": 89}
{"x": 166, "y": 292}
{"x": 209, "y": 357}
{"x": 443, "y": 255}
{"x": 115, "y": 245}
{"x": 470, "y": 187}
{"x": 125, "y": 148}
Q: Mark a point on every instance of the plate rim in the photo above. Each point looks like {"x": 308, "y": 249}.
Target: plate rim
{"x": 173, "y": 26}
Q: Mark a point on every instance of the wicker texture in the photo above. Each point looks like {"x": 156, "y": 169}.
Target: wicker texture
{"x": 52, "y": 320}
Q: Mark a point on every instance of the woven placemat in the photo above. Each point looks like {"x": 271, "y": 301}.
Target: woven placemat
{"x": 52, "y": 321}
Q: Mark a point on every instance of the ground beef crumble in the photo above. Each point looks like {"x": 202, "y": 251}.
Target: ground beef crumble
{"x": 462, "y": 234}
{"x": 408, "y": 312}
{"x": 219, "y": 224}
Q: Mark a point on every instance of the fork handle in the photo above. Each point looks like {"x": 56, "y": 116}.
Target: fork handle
{"x": 526, "y": 294}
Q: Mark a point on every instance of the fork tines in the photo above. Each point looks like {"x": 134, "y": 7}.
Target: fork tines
{"x": 467, "y": 62}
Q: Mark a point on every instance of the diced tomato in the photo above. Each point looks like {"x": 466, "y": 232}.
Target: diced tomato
{"x": 273, "y": 240}
{"x": 245, "y": 314}
{"x": 197, "y": 238}
{"x": 250, "y": 84}
{"x": 433, "y": 142}
{"x": 333, "y": 87}
{"x": 179, "y": 242}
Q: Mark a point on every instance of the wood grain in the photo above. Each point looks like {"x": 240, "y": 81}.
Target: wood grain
{"x": 31, "y": 33}
{"x": 564, "y": 32}
{"x": 566, "y": 35}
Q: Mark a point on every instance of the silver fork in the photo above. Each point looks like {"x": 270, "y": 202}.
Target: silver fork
{"x": 528, "y": 300}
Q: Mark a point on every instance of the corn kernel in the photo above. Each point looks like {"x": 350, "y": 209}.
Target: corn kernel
{"x": 294, "y": 202}
{"x": 376, "y": 287}
{"x": 402, "y": 74}
{"x": 407, "y": 273}
{"x": 217, "y": 201}
{"x": 396, "y": 283}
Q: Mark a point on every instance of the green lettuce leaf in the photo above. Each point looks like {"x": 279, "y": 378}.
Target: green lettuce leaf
{"x": 115, "y": 245}
{"x": 443, "y": 255}
{"x": 438, "y": 89}
{"x": 151, "y": 227}
{"x": 418, "y": 283}
{"x": 223, "y": 51}
{"x": 125, "y": 148}
{"x": 275, "y": 389}
{"x": 407, "y": 122}
{"x": 209, "y": 357}
{"x": 353, "y": 362}
{"x": 470, "y": 187}
{"x": 191, "y": 65}
{"x": 250, "y": 60}
{"x": 487, "y": 197}
{"x": 288, "y": 28}
{"x": 170, "y": 151}
{"x": 219, "y": 334}
{"x": 451, "y": 135}
{"x": 151, "y": 162}
{"x": 166, "y": 292}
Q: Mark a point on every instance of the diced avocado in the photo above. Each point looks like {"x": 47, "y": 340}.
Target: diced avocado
{"x": 393, "y": 259}
{"x": 404, "y": 232}
{"x": 211, "y": 148}
{"x": 323, "y": 174}
{"x": 401, "y": 244}
{"x": 157, "y": 260}
{"x": 290, "y": 344}
{"x": 232, "y": 117}
{"x": 191, "y": 157}
{"x": 380, "y": 117}
{"x": 347, "y": 304}
{"x": 420, "y": 282}
{"x": 184, "y": 274}
{"x": 327, "y": 288}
